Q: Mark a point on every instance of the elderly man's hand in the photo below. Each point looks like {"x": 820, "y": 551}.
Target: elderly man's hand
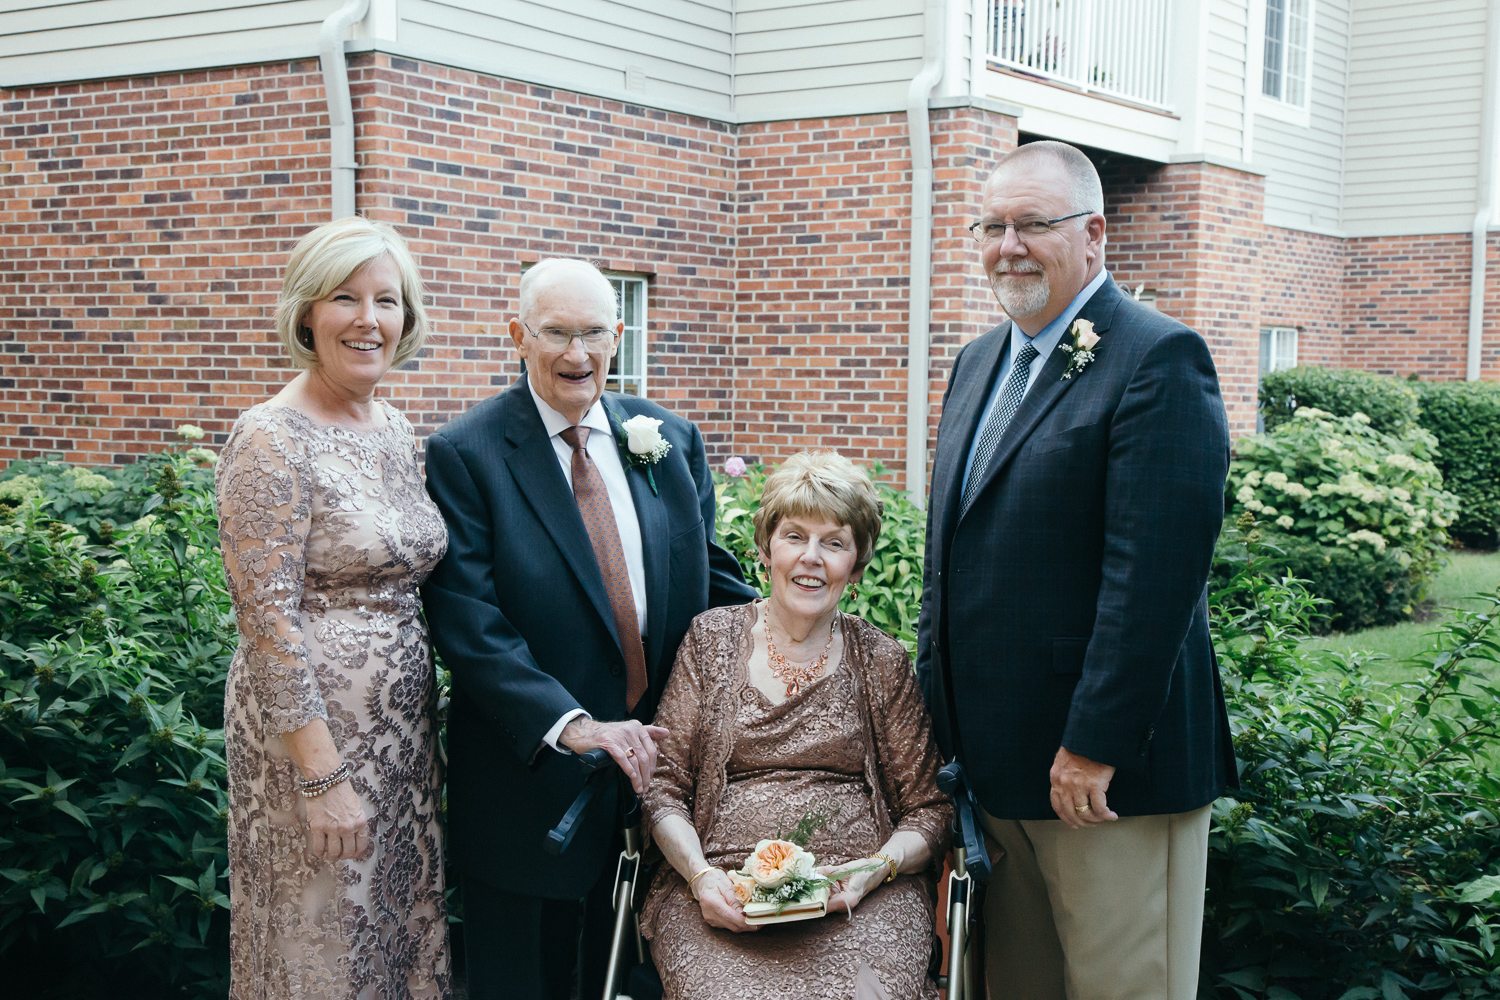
{"x": 630, "y": 743}
{"x": 1078, "y": 782}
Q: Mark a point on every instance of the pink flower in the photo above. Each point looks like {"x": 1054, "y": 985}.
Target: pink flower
{"x": 735, "y": 467}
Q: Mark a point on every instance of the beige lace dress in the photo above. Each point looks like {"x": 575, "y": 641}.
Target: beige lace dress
{"x": 857, "y": 745}
{"x": 327, "y": 533}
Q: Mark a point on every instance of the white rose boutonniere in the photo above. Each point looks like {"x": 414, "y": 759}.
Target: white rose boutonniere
{"x": 1084, "y": 349}
{"x": 641, "y": 442}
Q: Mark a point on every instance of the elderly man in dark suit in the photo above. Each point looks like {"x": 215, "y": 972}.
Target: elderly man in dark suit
{"x": 1063, "y": 644}
{"x": 581, "y": 544}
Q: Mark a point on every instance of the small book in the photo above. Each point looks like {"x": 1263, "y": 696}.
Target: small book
{"x": 810, "y": 908}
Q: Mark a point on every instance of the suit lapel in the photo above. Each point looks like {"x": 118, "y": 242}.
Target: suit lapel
{"x": 1050, "y": 386}
{"x": 967, "y": 408}
{"x": 651, "y": 513}
{"x": 533, "y": 464}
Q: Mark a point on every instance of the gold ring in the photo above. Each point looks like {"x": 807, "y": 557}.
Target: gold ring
{"x": 1083, "y": 808}
{"x": 630, "y": 752}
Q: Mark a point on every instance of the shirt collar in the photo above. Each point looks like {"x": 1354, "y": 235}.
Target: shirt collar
{"x": 595, "y": 419}
{"x": 1048, "y": 337}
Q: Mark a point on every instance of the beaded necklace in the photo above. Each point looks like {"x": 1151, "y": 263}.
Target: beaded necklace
{"x": 795, "y": 675}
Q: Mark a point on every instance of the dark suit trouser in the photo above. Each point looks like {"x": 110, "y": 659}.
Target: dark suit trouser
{"x": 526, "y": 947}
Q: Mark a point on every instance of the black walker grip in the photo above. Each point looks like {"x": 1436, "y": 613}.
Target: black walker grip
{"x": 966, "y": 826}
{"x": 593, "y": 763}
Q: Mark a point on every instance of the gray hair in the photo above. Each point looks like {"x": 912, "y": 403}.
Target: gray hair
{"x": 1085, "y": 192}
{"x": 544, "y": 273}
{"x": 324, "y": 259}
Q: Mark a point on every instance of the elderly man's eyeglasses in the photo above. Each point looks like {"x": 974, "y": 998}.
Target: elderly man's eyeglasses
{"x": 991, "y": 230}
{"x": 560, "y": 340}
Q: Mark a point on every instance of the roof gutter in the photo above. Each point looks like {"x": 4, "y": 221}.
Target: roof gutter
{"x": 340, "y": 104}
{"x": 919, "y": 321}
{"x": 1484, "y": 192}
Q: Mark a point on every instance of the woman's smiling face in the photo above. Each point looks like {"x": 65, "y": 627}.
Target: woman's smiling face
{"x": 357, "y": 326}
{"x": 811, "y": 561}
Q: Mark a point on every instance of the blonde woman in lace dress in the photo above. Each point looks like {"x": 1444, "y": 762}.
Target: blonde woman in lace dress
{"x": 783, "y": 708}
{"x": 336, "y": 875}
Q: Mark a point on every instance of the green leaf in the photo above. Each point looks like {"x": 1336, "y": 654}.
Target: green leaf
{"x": 1480, "y": 889}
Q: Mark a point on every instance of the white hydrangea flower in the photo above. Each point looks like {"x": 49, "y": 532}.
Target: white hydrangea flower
{"x": 1311, "y": 413}
{"x": 1298, "y": 491}
{"x": 1276, "y": 480}
{"x": 1370, "y": 538}
{"x": 1360, "y": 418}
{"x": 1400, "y": 494}
{"x": 1285, "y": 520}
{"x": 1254, "y": 505}
{"x": 1245, "y": 494}
{"x": 190, "y": 432}
{"x": 1252, "y": 478}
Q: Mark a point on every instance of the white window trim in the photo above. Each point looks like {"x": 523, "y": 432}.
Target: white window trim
{"x": 642, "y": 354}
{"x": 1275, "y": 107}
{"x": 1295, "y": 338}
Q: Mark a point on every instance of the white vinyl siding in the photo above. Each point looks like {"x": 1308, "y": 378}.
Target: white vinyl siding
{"x": 48, "y": 42}
{"x": 1304, "y": 164}
{"x": 680, "y": 48}
{"x": 1224, "y": 104}
{"x": 1412, "y": 133}
{"x": 794, "y": 59}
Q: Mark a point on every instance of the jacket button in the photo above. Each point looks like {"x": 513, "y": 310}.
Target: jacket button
{"x": 616, "y": 669}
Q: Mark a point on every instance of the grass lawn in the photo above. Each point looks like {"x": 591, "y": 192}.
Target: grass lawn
{"x": 1467, "y": 574}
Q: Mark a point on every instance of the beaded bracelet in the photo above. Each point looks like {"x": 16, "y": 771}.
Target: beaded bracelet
{"x": 317, "y": 786}
{"x": 887, "y": 859}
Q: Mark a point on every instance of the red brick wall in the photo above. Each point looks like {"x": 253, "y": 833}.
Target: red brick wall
{"x": 1303, "y": 287}
{"x": 1193, "y": 232}
{"x": 824, "y": 266}
{"x": 1406, "y": 306}
{"x": 144, "y": 222}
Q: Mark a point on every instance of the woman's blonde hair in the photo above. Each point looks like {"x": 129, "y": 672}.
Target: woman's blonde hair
{"x": 825, "y": 485}
{"x": 324, "y": 259}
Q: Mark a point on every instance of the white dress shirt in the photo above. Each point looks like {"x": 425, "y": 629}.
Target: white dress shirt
{"x": 601, "y": 447}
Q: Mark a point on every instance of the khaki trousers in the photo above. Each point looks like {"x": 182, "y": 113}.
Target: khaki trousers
{"x": 1114, "y": 912}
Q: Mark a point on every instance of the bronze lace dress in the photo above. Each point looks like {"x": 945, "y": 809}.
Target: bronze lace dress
{"x": 856, "y": 744}
{"x": 327, "y": 533}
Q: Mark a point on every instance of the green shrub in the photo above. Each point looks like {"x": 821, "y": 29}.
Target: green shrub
{"x": 1363, "y": 513}
{"x": 1465, "y": 418}
{"x": 890, "y": 594}
{"x": 1360, "y": 857}
{"x": 112, "y": 792}
{"x": 1390, "y": 403}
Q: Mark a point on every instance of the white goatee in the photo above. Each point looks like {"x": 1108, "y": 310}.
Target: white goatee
{"x": 1025, "y": 299}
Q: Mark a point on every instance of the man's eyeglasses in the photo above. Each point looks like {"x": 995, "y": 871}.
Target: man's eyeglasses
{"x": 990, "y": 230}
{"x": 560, "y": 340}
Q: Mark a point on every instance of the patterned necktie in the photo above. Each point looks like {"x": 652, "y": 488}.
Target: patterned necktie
{"x": 604, "y": 534}
{"x": 1000, "y": 418}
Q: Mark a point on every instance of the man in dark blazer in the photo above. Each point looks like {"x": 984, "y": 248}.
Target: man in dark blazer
{"x": 576, "y": 560}
{"x": 1063, "y": 644}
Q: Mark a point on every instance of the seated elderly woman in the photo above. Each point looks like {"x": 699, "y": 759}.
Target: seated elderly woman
{"x": 786, "y": 709}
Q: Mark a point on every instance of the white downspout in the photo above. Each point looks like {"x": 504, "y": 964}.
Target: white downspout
{"x": 340, "y": 104}
{"x": 1484, "y": 192}
{"x": 919, "y": 137}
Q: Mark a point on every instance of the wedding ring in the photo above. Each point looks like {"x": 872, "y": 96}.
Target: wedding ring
{"x": 1083, "y": 808}
{"x": 630, "y": 752}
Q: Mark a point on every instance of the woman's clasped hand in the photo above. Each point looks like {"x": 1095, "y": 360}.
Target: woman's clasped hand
{"x": 721, "y": 907}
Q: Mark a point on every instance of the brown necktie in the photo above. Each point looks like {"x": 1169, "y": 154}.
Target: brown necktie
{"x": 599, "y": 519}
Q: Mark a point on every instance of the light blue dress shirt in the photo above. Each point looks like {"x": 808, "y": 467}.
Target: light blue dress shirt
{"x": 1044, "y": 342}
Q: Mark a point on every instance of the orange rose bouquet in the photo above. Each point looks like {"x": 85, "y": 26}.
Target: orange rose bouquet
{"x": 779, "y": 881}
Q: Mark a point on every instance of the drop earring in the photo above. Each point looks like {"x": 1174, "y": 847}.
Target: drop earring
{"x": 305, "y": 337}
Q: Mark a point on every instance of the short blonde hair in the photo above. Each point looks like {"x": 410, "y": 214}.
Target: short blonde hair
{"x": 324, "y": 259}
{"x": 826, "y": 485}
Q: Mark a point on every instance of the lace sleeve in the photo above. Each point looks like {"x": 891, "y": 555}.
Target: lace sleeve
{"x": 264, "y": 491}
{"x": 908, "y": 755}
{"x": 678, "y": 756}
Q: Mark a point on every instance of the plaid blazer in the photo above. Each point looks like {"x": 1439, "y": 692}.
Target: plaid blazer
{"x": 1068, "y": 605}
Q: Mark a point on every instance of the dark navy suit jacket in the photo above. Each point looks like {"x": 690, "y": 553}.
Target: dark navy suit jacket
{"x": 517, "y": 608}
{"x": 1067, "y": 606}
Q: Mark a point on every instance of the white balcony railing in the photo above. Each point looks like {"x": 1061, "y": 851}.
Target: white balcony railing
{"x": 1116, "y": 48}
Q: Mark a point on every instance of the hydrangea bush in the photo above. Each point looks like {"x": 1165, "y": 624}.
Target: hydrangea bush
{"x": 1367, "y": 506}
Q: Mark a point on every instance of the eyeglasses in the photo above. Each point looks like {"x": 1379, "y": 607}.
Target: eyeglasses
{"x": 990, "y": 230}
{"x": 561, "y": 340}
